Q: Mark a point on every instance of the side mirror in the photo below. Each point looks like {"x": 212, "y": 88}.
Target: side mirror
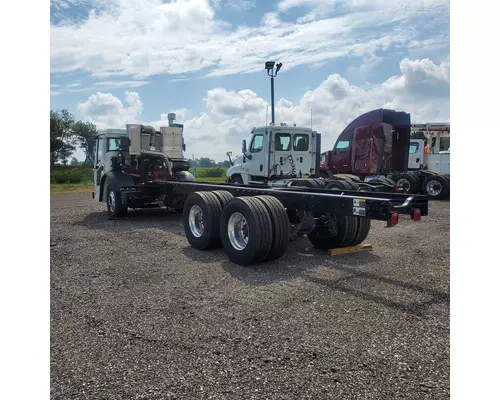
{"x": 244, "y": 146}
{"x": 183, "y": 145}
{"x": 229, "y": 153}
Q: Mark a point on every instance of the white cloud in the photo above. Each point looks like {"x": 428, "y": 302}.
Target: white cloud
{"x": 121, "y": 84}
{"x": 241, "y": 5}
{"x": 421, "y": 78}
{"x": 149, "y": 37}
{"x": 286, "y": 5}
{"x": 421, "y": 88}
{"x": 107, "y": 111}
{"x": 76, "y": 87}
{"x": 224, "y": 103}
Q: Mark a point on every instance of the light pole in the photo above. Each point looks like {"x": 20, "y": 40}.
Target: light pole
{"x": 272, "y": 73}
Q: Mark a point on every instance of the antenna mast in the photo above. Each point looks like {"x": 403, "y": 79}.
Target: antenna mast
{"x": 311, "y": 119}
{"x": 267, "y": 108}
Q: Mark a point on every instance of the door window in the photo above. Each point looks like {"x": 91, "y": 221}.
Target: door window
{"x": 113, "y": 144}
{"x": 413, "y": 147}
{"x": 282, "y": 142}
{"x": 444, "y": 144}
{"x": 342, "y": 146}
{"x": 256, "y": 145}
{"x": 99, "y": 149}
{"x": 301, "y": 142}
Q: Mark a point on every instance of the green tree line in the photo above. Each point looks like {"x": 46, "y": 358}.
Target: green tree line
{"x": 205, "y": 162}
{"x": 67, "y": 134}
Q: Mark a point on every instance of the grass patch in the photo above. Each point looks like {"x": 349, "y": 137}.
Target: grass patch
{"x": 81, "y": 187}
{"x": 218, "y": 179}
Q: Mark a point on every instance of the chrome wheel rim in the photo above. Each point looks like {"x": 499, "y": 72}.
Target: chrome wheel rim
{"x": 433, "y": 188}
{"x": 404, "y": 183}
{"x": 237, "y": 229}
{"x": 112, "y": 201}
{"x": 196, "y": 221}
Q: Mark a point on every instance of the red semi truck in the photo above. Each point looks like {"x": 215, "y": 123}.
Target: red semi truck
{"x": 375, "y": 148}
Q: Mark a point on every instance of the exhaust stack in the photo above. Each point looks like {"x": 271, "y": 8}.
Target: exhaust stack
{"x": 171, "y": 119}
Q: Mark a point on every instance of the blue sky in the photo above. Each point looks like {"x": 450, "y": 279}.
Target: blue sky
{"x": 116, "y": 61}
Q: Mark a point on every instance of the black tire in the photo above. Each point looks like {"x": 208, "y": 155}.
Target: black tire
{"x": 310, "y": 183}
{"x": 354, "y": 185}
{"x": 115, "y": 207}
{"x": 338, "y": 184}
{"x": 223, "y": 196}
{"x": 346, "y": 227}
{"x": 260, "y": 231}
{"x": 436, "y": 187}
{"x": 236, "y": 179}
{"x": 350, "y": 185}
{"x": 280, "y": 224}
{"x": 349, "y": 177}
{"x": 208, "y": 236}
{"x": 416, "y": 179}
{"x": 364, "y": 226}
{"x": 409, "y": 182}
{"x": 321, "y": 183}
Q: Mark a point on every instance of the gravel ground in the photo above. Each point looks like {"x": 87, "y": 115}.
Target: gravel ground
{"x": 137, "y": 314}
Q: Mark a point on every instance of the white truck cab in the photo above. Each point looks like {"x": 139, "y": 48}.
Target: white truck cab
{"x": 275, "y": 152}
{"x": 137, "y": 141}
{"x": 437, "y": 155}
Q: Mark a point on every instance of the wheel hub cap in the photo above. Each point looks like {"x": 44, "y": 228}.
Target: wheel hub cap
{"x": 433, "y": 188}
{"x": 196, "y": 221}
{"x": 404, "y": 183}
{"x": 237, "y": 229}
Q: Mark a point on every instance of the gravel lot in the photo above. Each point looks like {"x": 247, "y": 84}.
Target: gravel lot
{"x": 137, "y": 314}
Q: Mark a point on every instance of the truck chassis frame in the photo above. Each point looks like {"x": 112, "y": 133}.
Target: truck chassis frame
{"x": 275, "y": 215}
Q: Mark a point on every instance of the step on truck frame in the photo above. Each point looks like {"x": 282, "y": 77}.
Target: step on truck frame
{"x": 254, "y": 223}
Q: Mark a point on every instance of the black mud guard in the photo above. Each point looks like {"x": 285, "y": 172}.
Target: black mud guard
{"x": 117, "y": 180}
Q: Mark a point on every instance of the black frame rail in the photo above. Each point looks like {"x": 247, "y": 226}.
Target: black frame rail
{"x": 373, "y": 205}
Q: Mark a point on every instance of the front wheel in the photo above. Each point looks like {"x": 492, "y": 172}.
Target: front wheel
{"x": 116, "y": 208}
{"x": 236, "y": 180}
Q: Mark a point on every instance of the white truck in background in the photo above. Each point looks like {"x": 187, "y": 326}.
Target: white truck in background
{"x": 433, "y": 155}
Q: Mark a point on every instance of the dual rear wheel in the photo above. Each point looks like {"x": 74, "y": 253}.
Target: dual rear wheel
{"x": 251, "y": 229}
